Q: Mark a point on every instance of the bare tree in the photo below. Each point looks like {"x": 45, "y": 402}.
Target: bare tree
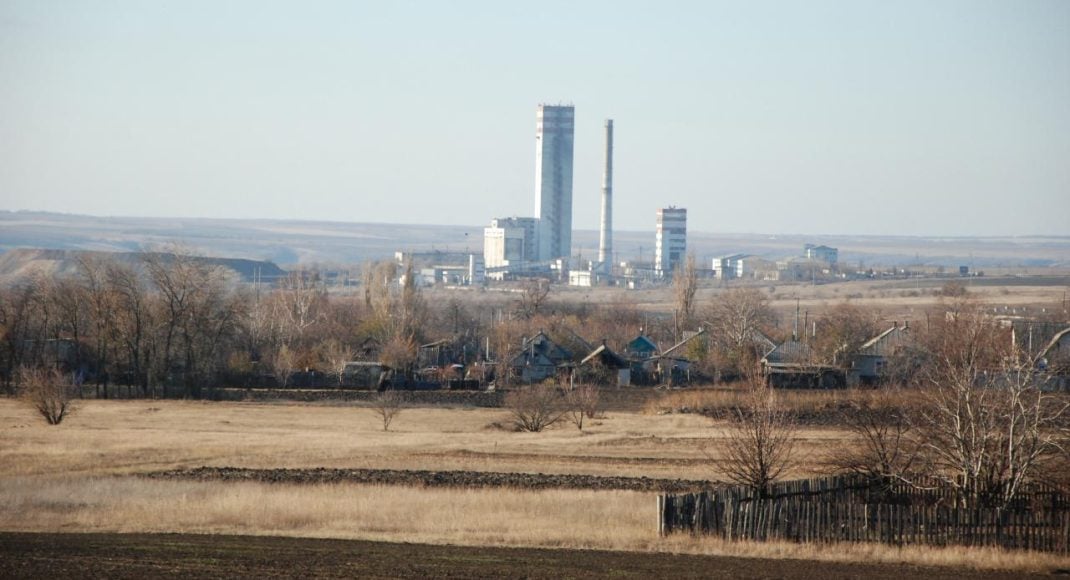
{"x": 198, "y": 315}
{"x": 735, "y": 318}
{"x": 685, "y": 285}
{"x": 284, "y": 365}
{"x": 533, "y": 297}
{"x": 48, "y": 391}
{"x": 387, "y": 405}
{"x": 299, "y": 305}
{"x": 761, "y": 439}
{"x": 841, "y": 332}
{"x": 67, "y": 303}
{"x": 986, "y": 427}
{"x": 399, "y": 353}
{"x": 103, "y": 303}
{"x": 535, "y": 407}
{"x": 333, "y": 357}
{"x": 133, "y": 321}
{"x": 583, "y": 402}
{"x": 884, "y": 443}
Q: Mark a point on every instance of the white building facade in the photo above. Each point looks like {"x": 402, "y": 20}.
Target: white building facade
{"x": 670, "y": 244}
{"x": 509, "y": 242}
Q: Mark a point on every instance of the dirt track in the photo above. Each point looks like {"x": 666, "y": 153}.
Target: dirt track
{"x": 432, "y": 478}
{"x": 130, "y": 556}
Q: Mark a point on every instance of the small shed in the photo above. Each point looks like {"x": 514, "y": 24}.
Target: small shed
{"x": 603, "y": 361}
{"x": 870, "y": 364}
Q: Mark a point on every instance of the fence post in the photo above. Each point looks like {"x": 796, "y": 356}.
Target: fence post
{"x": 661, "y": 515}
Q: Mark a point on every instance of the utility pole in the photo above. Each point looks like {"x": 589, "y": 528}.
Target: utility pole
{"x": 795, "y": 329}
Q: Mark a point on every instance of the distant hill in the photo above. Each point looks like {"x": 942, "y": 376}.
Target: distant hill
{"x": 323, "y": 243}
{"x": 21, "y": 263}
{"x": 283, "y": 242}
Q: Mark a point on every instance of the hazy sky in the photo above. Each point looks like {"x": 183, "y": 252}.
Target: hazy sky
{"x": 930, "y": 117}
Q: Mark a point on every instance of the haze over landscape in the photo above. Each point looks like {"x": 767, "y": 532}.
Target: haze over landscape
{"x": 918, "y": 118}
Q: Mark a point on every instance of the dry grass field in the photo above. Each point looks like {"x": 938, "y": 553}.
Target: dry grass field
{"x": 81, "y": 476}
{"x": 125, "y": 437}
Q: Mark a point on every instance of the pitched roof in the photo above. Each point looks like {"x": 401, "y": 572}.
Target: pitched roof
{"x": 761, "y": 338}
{"x": 542, "y": 344}
{"x": 442, "y": 342}
{"x": 1055, "y": 342}
{"x": 527, "y": 358}
{"x": 883, "y": 343}
{"x": 676, "y": 346}
{"x": 641, "y": 343}
{"x": 606, "y": 356}
{"x": 791, "y": 351}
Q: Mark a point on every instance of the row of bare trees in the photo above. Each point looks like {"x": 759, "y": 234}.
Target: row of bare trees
{"x": 168, "y": 321}
{"x": 173, "y": 321}
{"x": 174, "y": 324}
{"x": 162, "y": 322}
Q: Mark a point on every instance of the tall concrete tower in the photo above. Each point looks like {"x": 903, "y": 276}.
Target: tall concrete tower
{"x": 605, "y": 238}
{"x": 554, "y": 131}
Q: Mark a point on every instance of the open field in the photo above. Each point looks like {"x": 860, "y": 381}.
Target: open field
{"x": 82, "y": 476}
{"x": 182, "y": 556}
{"x": 126, "y": 437}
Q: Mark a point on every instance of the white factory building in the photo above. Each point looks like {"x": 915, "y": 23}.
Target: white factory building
{"x": 512, "y": 241}
{"x": 670, "y": 243}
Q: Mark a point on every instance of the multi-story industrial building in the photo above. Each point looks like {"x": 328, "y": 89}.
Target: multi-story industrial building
{"x": 510, "y": 242}
{"x": 670, "y": 246}
{"x": 724, "y": 268}
{"x": 824, "y": 254}
{"x": 554, "y": 132}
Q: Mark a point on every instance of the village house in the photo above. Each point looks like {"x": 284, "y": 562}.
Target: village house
{"x": 869, "y": 366}
{"x": 791, "y": 365}
{"x": 539, "y": 359}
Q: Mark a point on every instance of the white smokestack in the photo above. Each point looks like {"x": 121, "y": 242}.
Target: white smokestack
{"x": 605, "y": 239}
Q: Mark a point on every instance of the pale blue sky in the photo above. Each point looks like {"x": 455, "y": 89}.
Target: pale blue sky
{"x": 931, "y": 117}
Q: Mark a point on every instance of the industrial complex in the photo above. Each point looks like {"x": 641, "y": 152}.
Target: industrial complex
{"x": 516, "y": 247}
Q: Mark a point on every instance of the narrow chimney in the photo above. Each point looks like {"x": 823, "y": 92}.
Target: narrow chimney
{"x": 605, "y": 239}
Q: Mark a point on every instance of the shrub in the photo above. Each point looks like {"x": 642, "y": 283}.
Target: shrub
{"x": 387, "y": 405}
{"x": 583, "y": 403}
{"x": 48, "y": 391}
{"x": 761, "y": 440}
{"x": 535, "y": 407}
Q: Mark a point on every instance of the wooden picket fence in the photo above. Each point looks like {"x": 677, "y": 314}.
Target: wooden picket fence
{"x": 841, "y": 510}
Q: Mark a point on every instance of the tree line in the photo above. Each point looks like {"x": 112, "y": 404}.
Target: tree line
{"x": 175, "y": 325}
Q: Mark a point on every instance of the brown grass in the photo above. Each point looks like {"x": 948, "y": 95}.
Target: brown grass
{"x": 77, "y": 477}
{"x": 580, "y": 519}
{"x": 803, "y": 401}
{"x": 124, "y": 437}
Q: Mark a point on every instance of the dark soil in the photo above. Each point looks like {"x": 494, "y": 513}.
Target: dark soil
{"x": 466, "y": 479}
{"x": 138, "y": 556}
